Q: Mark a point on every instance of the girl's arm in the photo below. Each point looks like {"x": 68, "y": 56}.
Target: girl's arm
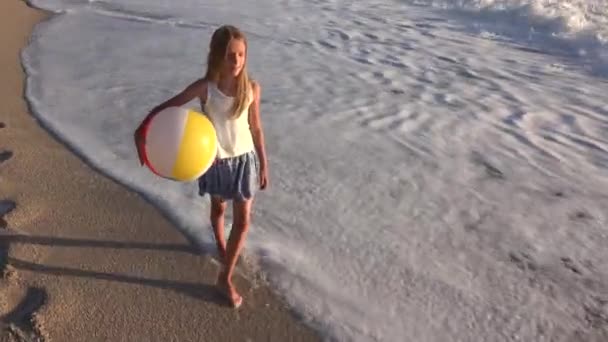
{"x": 255, "y": 124}
{"x": 197, "y": 88}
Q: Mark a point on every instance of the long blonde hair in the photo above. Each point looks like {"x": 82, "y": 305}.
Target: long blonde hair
{"x": 217, "y": 53}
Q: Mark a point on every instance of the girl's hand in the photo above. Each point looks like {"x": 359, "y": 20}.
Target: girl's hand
{"x": 263, "y": 178}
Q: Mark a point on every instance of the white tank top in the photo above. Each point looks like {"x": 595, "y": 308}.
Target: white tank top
{"x": 233, "y": 135}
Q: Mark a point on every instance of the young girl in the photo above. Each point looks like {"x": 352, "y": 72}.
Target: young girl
{"x": 232, "y": 102}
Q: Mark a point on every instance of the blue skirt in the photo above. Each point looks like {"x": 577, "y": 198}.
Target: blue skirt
{"x": 234, "y": 178}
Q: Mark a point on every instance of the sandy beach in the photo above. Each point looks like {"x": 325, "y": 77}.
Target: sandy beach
{"x": 84, "y": 259}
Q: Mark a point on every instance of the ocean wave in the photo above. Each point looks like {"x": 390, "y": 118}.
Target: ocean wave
{"x": 563, "y": 18}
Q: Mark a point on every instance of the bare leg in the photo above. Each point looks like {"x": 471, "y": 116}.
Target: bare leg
{"x": 218, "y": 208}
{"x": 238, "y": 234}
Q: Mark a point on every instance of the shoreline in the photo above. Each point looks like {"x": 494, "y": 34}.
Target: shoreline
{"x": 90, "y": 259}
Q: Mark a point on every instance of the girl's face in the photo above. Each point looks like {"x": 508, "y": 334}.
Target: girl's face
{"x": 234, "y": 61}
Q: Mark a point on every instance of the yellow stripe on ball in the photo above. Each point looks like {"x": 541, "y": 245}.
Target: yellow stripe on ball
{"x": 198, "y": 148}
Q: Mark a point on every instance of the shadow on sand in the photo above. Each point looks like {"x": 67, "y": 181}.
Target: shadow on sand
{"x": 196, "y": 290}
{"x": 199, "y": 291}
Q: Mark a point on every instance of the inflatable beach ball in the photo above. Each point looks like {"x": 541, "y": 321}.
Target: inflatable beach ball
{"x": 181, "y": 144}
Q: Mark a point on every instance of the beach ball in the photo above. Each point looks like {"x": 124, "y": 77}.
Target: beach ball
{"x": 181, "y": 144}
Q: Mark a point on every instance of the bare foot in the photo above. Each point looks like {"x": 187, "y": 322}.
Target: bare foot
{"x": 229, "y": 291}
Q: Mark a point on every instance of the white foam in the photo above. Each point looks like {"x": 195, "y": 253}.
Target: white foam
{"x": 427, "y": 183}
{"x": 571, "y": 16}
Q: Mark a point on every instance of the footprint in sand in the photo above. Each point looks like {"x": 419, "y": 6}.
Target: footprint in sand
{"x": 5, "y": 155}
{"x": 20, "y": 322}
{"x": 6, "y": 206}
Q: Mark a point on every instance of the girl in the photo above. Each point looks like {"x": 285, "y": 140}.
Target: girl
{"x": 232, "y": 102}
